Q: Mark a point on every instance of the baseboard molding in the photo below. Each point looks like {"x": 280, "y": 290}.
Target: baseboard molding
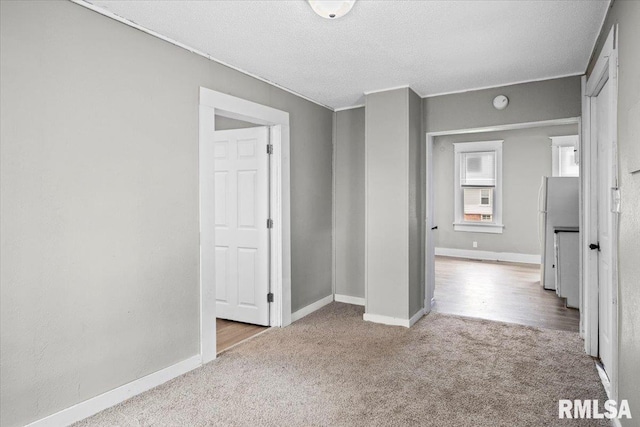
{"x": 111, "y": 398}
{"x": 489, "y": 256}
{"x": 393, "y": 321}
{"x": 385, "y": 320}
{"x": 428, "y": 305}
{"x": 416, "y": 317}
{"x": 305, "y": 311}
{"x": 349, "y": 299}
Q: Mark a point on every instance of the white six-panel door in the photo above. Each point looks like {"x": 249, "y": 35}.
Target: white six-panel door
{"x": 605, "y": 183}
{"x": 241, "y": 233}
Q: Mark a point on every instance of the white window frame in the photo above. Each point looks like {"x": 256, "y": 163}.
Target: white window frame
{"x": 562, "y": 141}
{"x": 459, "y": 224}
{"x": 489, "y": 198}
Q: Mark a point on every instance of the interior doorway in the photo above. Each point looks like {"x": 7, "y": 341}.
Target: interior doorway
{"x": 242, "y": 211}
{"x": 601, "y": 209}
{"x": 495, "y": 273}
{"x": 245, "y": 247}
{"x": 605, "y": 227}
{"x": 242, "y": 221}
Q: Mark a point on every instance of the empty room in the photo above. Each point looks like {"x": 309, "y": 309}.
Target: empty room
{"x": 310, "y": 212}
{"x": 491, "y": 247}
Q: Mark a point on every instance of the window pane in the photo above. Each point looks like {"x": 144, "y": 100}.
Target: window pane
{"x": 478, "y": 204}
{"x": 478, "y": 168}
{"x": 485, "y": 197}
{"x": 567, "y": 160}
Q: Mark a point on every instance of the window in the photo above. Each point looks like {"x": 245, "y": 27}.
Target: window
{"x": 478, "y": 187}
{"x": 485, "y": 198}
{"x": 477, "y": 204}
{"x": 564, "y": 155}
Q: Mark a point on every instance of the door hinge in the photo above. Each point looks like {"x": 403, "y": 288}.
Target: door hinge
{"x": 269, "y": 148}
{"x": 269, "y": 223}
{"x": 270, "y": 297}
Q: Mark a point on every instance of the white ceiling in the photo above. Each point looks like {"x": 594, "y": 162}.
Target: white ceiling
{"x": 434, "y": 46}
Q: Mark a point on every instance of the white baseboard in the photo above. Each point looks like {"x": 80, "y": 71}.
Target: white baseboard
{"x": 416, "y": 317}
{"x": 489, "y": 256}
{"x": 385, "y": 320}
{"x": 428, "y": 305}
{"x": 348, "y": 299}
{"x": 393, "y": 321}
{"x": 311, "y": 308}
{"x": 111, "y": 398}
{"x": 606, "y": 384}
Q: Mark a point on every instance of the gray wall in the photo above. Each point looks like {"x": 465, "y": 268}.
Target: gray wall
{"x": 627, "y": 15}
{"x": 528, "y": 102}
{"x": 225, "y": 123}
{"x": 387, "y": 153}
{"x": 392, "y": 176}
{"x": 99, "y": 213}
{"x": 349, "y": 202}
{"x": 349, "y": 168}
{"x": 416, "y": 184}
{"x": 526, "y": 159}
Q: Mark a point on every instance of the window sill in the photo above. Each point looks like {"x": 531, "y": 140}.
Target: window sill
{"x": 478, "y": 228}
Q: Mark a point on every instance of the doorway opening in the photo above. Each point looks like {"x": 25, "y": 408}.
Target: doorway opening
{"x": 488, "y": 230}
{"x": 245, "y": 249}
{"x": 242, "y": 213}
{"x": 601, "y": 210}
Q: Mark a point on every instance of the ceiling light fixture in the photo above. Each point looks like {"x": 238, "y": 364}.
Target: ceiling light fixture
{"x": 331, "y": 9}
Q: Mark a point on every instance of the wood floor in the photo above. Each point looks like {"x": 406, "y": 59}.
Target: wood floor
{"x": 500, "y": 291}
{"x": 229, "y": 333}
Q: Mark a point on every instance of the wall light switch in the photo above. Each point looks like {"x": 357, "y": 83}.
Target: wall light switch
{"x": 475, "y": 244}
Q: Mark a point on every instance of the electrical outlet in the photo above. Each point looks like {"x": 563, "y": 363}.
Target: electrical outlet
{"x": 475, "y": 244}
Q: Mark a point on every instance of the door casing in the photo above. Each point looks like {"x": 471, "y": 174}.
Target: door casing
{"x": 430, "y": 284}
{"x": 214, "y": 103}
{"x": 605, "y": 70}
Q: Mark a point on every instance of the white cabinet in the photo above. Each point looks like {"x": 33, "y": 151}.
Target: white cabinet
{"x": 567, "y": 266}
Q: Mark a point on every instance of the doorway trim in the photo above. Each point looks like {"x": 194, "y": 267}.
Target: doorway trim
{"x": 430, "y": 284}
{"x": 605, "y": 69}
{"x": 214, "y": 103}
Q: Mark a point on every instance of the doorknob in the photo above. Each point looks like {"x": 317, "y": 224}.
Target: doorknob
{"x": 593, "y": 246}
{"x": 434, "y": 228}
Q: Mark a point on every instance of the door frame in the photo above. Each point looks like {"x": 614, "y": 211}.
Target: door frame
{"x": 214, "y": 103}
{"x": 605, "y": 69}
{"x": 430, "y": 284}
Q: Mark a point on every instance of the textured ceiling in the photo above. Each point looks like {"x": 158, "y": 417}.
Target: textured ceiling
{"x": 434, "y": 46}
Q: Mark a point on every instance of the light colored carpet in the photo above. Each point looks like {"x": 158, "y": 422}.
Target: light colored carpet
{"x": 332, "y": 368}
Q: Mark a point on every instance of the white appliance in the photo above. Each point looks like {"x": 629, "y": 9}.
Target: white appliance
{"x": 567, "y": 263}
{"x": 558, "y": 208}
